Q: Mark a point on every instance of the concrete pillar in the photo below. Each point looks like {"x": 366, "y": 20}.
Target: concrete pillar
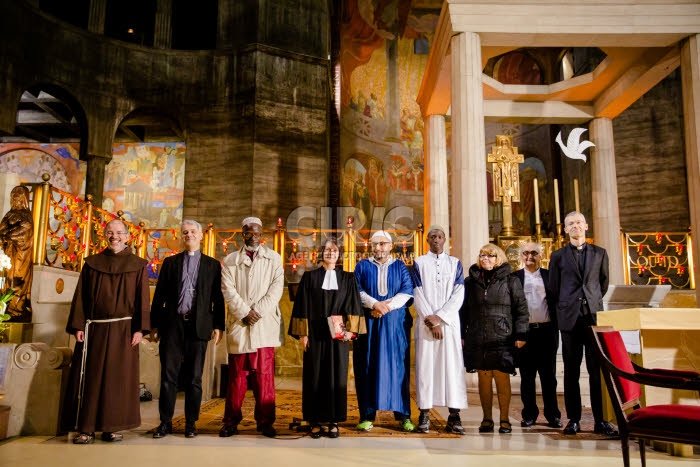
{"x": 690, "y": 82}
{"x": 9, "y": 103}
{"x": 436, "y": 208}
{"x": 606, "y": 213}
{"x": 98, "y": 14}
{"x": 163, "y": 30}
{"x": 95, "y": 178}
{"x": 470, "y": 222}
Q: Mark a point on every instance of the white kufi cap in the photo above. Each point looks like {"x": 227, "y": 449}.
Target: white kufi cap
{"x": 379, "y": 234}
{"x": 251, "y": 220}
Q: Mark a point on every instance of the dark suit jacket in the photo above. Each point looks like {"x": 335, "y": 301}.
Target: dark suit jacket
{"x": 549, "y": 296}
{"x": 570, "y": 287}
{"x": 209, "y": 301}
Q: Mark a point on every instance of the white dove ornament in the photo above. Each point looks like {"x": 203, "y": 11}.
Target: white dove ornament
{"x": 574, "y": 146}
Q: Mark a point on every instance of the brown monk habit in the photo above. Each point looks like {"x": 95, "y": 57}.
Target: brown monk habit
{"x": 111, "y": 285}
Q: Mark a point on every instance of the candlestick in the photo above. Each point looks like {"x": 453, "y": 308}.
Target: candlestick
{"x": 537, "y": 201}
{"x": 578, "y": 208}
{"x": 556, "y": 201}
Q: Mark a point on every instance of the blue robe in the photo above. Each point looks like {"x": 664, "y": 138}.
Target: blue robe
{"x": 381, "y": 358}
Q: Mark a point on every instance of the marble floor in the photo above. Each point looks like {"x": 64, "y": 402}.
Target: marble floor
{"x": 521, "y": 449}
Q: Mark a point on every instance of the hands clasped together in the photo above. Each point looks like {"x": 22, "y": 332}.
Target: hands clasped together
{"x": 433, "y": 322}
{"x": 252, "y": 317}
{"x": 379, "y": 309}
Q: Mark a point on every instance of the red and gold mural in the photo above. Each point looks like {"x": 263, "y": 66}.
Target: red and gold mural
{"x": 384, "y": 51}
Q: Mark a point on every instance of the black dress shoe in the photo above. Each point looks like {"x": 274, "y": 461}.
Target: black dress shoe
{"x": 572, "y": 427}
{"x": 268, "y": 430}
{"x": 486, "y": 426}
{"x": 333, "y": 430}
{"x": 554, "y": 423}
{"x": 505, "y": 427}
{"x": 163, "y": 430}
{"x": 190, "y": 430}
{"x": 605, "y": 428}
{"x": 527, "y": 423}
{"x": 316, "y": 431}
{"x": 228, "y": 430}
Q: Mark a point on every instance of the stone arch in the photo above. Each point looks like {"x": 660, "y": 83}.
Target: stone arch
{"x": 148, "y": 124}
{"x": 42, "y": 94}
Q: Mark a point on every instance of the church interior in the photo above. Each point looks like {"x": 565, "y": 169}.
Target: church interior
{"x": 344, "y": 117}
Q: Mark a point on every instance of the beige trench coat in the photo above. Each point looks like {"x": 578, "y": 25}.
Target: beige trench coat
{"x": 255, "y": 284}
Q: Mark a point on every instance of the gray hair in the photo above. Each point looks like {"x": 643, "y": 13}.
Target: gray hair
{"x": 191, "y": 222}
{"x": 574, "y": 213}
{"x": 538, "y": 247}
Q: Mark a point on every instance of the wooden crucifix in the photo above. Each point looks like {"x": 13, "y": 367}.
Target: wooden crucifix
{"x": 506, "y": 179}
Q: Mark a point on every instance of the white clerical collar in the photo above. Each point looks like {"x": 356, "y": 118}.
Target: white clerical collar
{"x": 330, "y": 280}
{"x": 192, "y": 253}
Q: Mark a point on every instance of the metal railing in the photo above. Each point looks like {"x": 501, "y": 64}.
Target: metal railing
{"x": 68, "y": 229}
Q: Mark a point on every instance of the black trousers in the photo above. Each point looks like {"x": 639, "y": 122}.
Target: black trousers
{"x": 539, "y": 355}
{"x": 180, "y": 349}
{"x": 573, "y": 344}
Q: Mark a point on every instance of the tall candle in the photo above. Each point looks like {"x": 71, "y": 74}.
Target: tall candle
{"x": 537, "y": 201}
{"x": 578, "y": 208}
{"x": 556, "y": 201}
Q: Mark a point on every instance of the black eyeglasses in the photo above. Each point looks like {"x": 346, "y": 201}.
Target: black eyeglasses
{"x": 530, "y": 253}
{"x": 484, "y": 256}
{"x": 249, "y": 235}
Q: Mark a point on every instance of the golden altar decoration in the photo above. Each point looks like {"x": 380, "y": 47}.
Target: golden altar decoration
{"x": 506, "y": 178}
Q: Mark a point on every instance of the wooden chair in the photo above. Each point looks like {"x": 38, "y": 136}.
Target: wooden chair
{"x": 673, "y": 423}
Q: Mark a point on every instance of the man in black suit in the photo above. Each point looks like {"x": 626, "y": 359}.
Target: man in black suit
{"x": 578, "y": 277}
{"x": 540, "y": 352}
{"x": 188, "y": 310}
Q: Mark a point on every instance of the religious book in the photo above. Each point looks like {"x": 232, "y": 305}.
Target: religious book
{"x": 337, "y": 327}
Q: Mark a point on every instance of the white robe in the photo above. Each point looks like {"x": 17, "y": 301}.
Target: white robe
{"x": 439, "y": 290}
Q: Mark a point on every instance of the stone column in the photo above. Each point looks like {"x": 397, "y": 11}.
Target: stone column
{"x": 470, "y": 221}
{"x": 606, "y": 213}
{"x": 436, "y": 208}
{"x": 98, "y": 13}
{"x": 163, "y": 36}
{"x": 690, "y": 82}
{"x": 95, "y": 178}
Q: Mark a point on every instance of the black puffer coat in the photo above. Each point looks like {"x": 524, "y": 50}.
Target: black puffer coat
{"x": 494, "y": 315}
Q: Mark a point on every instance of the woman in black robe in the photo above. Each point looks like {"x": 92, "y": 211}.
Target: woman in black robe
{"x": 324, "y": 292}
